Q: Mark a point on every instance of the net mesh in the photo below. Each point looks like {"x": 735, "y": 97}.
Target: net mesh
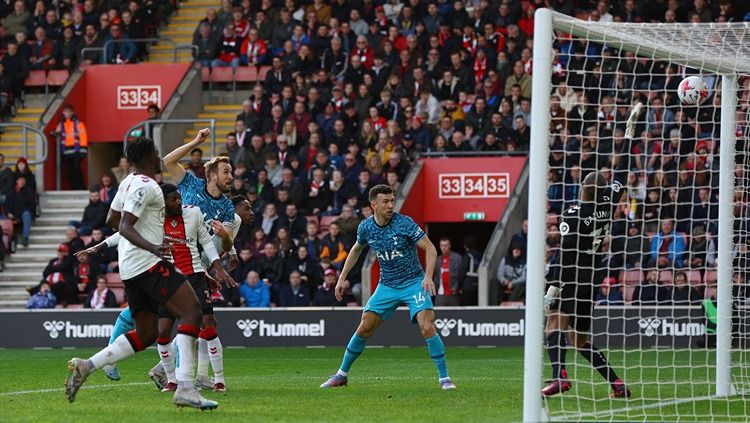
{"x": 656, "y": 293}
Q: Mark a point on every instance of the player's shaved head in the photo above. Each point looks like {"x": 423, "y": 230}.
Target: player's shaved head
{"x": 593, "y": 186}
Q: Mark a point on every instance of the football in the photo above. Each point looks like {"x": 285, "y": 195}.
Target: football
{"x": 692, "y": 90}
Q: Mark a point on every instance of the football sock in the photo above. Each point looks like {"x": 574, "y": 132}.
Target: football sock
{"x": 353, "y": 350}
{"x": 599, "y": 361}
{"x": 556, "y": 343}
{"x": 437, "y": 353}
{"x": 167, "y": 356}
{"x": 123, "y": 347}
{"x": 123, "y": 324}
{"x": 203, "y": 361}
{"x": 215, "y": 353}
{"x": 185, "y": 341}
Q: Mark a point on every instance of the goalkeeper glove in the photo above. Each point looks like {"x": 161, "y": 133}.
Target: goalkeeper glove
{"x": 550, "y": 297}
{"x": 632, "y": 121}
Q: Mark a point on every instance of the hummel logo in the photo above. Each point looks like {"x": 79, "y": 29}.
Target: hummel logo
{"x": 445, "y": 326}
{"x": 247, "y": 327}
{"x": 54, "y": 328}
{"x": 649, "y": 326}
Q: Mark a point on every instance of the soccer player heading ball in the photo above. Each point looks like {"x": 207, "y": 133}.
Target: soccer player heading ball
{"x": 393, "y": 237}
{"x": 570, "y": 297}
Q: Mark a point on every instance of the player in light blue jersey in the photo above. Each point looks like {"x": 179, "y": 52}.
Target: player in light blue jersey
{"x": 394, "y": 238}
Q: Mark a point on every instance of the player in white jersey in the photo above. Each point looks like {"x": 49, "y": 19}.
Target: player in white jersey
{"x": 150, "y": 281}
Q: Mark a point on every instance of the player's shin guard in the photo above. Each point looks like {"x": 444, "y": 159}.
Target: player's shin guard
{"x": 203, "y": 360}
{"x": 167, "y": 356}
{"x": 556, "y": 349}
{"x": 185, "y": 340}
{"x": 123, "y": 347}
{"x": 123, "y": 324}
{"x": 599, "y": 361}
{"x": 215, "y": 353}
{"x": 353, "y": 350}
{"x": 437, "y": 353}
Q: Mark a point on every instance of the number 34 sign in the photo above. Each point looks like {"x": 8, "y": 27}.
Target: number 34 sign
{"x": 138, "y": 96}
{"x": 474, "y": 185}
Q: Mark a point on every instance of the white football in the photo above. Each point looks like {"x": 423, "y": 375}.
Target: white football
{"x": 692, "y": 90}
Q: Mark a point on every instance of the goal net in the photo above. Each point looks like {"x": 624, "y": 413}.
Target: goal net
{"x": 670, "y": 279}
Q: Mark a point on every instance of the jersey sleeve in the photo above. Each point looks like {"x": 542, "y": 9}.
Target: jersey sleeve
{"x": 117, "y": 202}
{"x": 204, "y": 238}
{"x": 413, "y": 231}
{"x": 362, "y": 233}
{"x": 138, "y": 199}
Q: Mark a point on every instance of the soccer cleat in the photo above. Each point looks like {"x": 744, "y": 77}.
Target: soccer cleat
{"x": 169, "y": 387}
{"x": 159, "y": 376}
{"x": 78, "y": 371}
{"x": 556, "y": 387}
{"x": 191, "y": 398}
{"x": 447, "y": 384}
{"x": 619, "y": 390}
{"x": 335, "y": 381}
{"x": 111, "y": 372}
{"x": 220, "y": 387}
{"x": 204, "y": 383}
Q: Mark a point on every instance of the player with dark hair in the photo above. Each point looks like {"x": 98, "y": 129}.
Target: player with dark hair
{"x": 569, "y": 301}
{"x": 150, "y": 280}
{"x": 394, "y": 238}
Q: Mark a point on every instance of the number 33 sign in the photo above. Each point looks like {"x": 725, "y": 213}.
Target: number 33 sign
{"x": 474, "y": 185}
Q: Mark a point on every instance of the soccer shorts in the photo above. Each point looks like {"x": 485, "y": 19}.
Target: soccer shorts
{"x": 199, "y": 282}
{"x": 153, "y": 288}
{"x": 577, "y": 299}
{"x": 385, "y": 300}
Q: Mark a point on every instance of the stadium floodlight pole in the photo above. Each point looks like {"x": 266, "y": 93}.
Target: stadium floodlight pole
{"x": 726, "y": 232}
{"x": 541, "y": 89}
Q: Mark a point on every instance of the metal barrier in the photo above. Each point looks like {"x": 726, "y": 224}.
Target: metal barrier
{"x": 148, "y": 128}
{"x": 175, "y": 47}
{"x": 25, "y": 129}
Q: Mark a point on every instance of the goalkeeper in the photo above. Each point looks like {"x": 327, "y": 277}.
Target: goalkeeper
{"x": 569, "y": 301}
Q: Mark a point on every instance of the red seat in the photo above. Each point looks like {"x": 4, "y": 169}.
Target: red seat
{"x": 246, "y": 74}
{"x": 665, "y": 277}
{"x": 694, "y": 278}
{"x": 710, "y": 277}
{"x": 119, "y": 294}
{"x": 222, "y": 74}
{"x": 35, "y": 79}
{"x": 113, "y": 280}
{"x": 312, "y": 218}
{"x": 262, "y": 72}
{"x": 631, "y": 277}
{"x": 325, "y": 222}
{"x": 74, "y": 306}
{"x": 205, "y": 74}
{"x": 57, "y": 78}
{"x": 629, "y": 290}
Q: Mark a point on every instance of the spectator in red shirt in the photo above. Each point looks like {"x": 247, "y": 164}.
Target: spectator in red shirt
{"x": 229, "y": 49}
{"x": 447, "y": 270}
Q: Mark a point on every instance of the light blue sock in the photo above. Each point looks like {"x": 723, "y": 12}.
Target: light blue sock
{"x": 123, "y": 324}
{"x": 437, "y": 353}
{"x": 353, "y": 350}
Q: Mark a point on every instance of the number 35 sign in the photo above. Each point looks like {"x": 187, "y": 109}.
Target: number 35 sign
{"x": 474, "y": 185}
{"x": 138, "y": 96}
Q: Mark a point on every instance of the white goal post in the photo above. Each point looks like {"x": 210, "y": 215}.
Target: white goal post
{"x": 720, "y": 49}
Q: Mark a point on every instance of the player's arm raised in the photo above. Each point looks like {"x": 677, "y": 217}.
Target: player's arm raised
{"x": 172, "y": 160}
{"x": 350, "y": 261}
{"x": 429, "y": 266}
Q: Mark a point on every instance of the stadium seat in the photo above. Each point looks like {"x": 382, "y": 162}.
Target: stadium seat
{"x": 222, "y": 74}
{"x": 512, "y": 304}
{"x": 57, "y": 78}
{"x": 113, "y": 280}
{"x": 666, "y": 276}
{"x": 313, "y": 218}
{"x": 205, "y": 74}
{"x": 75, "y": 306}
{"x": 631, "y": 277}
{"x": 325, "y": 222}
{"x": 119, "y": 294}
{"x": 7, "y": 227}
{"x": 628, "y": 294}
{"x": 246, "y": 74}
{"x": 694, "y": 278}
{"x": 35, "y": 78}
{"x": 710, "y": 277}
{"x": 262, "y": 72}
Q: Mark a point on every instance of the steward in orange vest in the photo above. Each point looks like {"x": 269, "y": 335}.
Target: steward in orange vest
{"x": 74, "y": 142}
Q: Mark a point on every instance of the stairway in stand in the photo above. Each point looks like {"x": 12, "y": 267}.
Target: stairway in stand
{"x": 24, "y": 268}
{"x": 182, "y": 25}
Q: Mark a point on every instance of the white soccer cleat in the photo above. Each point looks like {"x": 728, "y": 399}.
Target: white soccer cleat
{"x": 159, "y": 376}
{"x": 204, "y": 383}
{"x": 78, "y": 371}
{"x": 191, "y": 398}
{"x": 447, "y": 384}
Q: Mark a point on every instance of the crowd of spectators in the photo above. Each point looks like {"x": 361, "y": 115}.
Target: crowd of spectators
{"x": 47, "y": 35}
{"x": 18, "y": 205}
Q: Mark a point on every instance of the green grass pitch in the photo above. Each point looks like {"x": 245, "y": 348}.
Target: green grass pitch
{"x": 386, "y": 384}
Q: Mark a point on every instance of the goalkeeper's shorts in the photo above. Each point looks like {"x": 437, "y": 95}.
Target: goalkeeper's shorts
{"x": 577, "y": 301}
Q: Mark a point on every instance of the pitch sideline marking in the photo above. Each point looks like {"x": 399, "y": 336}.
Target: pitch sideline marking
{"x": 643, "y": 407}
{"x": 62, "y": 389}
